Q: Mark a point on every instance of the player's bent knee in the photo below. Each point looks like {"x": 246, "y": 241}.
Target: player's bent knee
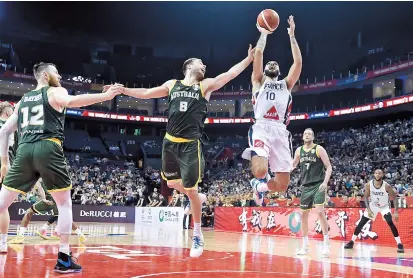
{"x": 282, "y": 179}
{"x": 174, "y": 184}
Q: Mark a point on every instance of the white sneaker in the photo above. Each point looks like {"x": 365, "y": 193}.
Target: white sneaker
{"x": 3, "y": 248}
{"x": 258, "y": 196}
{"x": 326, "y": 251}
{"x": 303, "y": 251}
{"x": 197, "y": 246}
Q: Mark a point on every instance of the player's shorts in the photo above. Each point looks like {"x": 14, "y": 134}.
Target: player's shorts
{"x": 273, "y": 141}
{"x": 311, "y": 196}
{"x": 42, "y": 208}
{"x": 182, "y": 159}
{"x": 45, "y": 159}
{"x": 376, "y": 210}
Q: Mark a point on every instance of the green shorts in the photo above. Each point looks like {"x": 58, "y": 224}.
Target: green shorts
{"x": 45, "y": 159}
{"x": 182, "y": 160}
{"x": 311, "y": 196}
{"x": 42, "y": 208}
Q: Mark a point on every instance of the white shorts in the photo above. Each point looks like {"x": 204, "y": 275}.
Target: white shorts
{"x": 272, "y": 141}
{"x": 376, "y": 210}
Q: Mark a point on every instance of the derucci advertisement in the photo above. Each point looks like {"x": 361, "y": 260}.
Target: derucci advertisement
{"x": 81, "y": 213}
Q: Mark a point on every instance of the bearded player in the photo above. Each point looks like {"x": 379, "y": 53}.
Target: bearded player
{"x": 376, "y": 198}
{"x": 269, "y": 140}
{"x": 182, "y": 158}
{"x": 39, "y": 118}
{"x": 315, "y": 169}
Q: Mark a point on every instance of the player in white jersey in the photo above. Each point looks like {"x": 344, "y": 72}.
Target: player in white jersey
{"x": 269, "y": 140}
{"x": 376, "y": 198}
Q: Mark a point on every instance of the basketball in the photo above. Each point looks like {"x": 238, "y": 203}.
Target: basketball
{"x": 268, "y": 19}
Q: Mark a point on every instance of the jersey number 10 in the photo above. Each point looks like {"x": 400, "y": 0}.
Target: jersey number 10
{"x": 270, "y": 95}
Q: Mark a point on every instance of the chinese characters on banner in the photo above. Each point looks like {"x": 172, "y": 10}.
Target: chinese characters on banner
{"x": 287, "y": 222}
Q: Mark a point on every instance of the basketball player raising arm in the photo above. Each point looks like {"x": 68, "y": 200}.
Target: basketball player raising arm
{"x": 194, "y": 71}
{"x": 271, "y": 68}
{"x": 272, "y": 102}
{"x": 182, "y": 158}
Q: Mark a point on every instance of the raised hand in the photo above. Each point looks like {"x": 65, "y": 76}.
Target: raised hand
{"x": 291, "y": 22}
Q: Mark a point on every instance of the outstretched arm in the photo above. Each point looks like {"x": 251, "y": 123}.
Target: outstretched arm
{"x": 157, "y": 92}
{"x": 62, "y": 98}
{"x": 212, "y": 84}
{"x": 295, "y": 70}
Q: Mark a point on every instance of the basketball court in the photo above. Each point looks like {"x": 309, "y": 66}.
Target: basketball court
{"x": 123, "y": 250}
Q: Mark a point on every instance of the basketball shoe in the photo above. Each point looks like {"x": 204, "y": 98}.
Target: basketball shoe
{"x": 65, "y": 264}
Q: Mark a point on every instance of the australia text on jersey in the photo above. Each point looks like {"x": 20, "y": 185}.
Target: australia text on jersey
{"x": 308, "y": 159}
{"x": 184, "y": 94}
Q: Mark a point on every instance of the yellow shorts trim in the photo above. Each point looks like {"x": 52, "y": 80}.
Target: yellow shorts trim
{"x": 177, "y": 139}
{"x": 61, "y": 189}
{"x": 13, "y": 189}
{"x": 33, "y": 208}
{"x": 323, "y": 204}
{"x": 55, "y": 140}
{"x": 306, "y": 209}
{"x": 166, "y": 179}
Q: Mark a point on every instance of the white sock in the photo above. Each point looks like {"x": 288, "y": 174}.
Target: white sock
{"x": 326, "y": 240}
{"x": 3, "y": 238}
{"x": 197, "y": 229}
{"x": 45, "y": 227}
{"x": 305, "y": 241}
{"x": 22, "y": 230}
{"x": 262, "y": 187}
{"x": 353, "y": 238}
{"x": 398, "y": 240}
{"x": 64, "y": 248}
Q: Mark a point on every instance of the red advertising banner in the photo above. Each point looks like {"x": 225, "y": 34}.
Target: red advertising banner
{"x": 287, "y": 222}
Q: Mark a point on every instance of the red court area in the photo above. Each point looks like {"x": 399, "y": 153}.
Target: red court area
{"x": 37, "y": 261}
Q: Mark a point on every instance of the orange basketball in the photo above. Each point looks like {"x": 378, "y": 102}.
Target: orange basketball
{"x": 268, "y": 19}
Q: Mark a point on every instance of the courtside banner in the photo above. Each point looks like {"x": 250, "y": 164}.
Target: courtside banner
{"x": 162, "y": 217}
{"x": 287, "y": 222}
{"x": 81, "y": 213}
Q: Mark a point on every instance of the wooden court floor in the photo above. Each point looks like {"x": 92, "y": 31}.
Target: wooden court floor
{"x": 123, "y": 250}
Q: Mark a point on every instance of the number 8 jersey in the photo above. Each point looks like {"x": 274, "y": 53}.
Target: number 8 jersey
{"x": 37, "y": 119}
{"x": 272, "y": 102}
{"x": 187, "y": 110}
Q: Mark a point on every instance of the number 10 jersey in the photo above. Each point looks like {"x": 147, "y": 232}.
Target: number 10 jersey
{"x": 272, "y": 102}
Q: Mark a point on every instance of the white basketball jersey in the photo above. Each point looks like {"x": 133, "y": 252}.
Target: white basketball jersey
{"x": 272, "y": 102}
{"x": 378, "y": 197}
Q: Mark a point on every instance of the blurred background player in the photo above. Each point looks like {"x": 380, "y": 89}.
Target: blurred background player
{"x": 182, "y": 157}
{"x": 45, "y": 205}
{"x": 376, "y": 198}
{"x": 39, "y": 118}
{"x": 315, "y": 169}
{"x": 269, "y": 140}
{"x": 6, "y": 110}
